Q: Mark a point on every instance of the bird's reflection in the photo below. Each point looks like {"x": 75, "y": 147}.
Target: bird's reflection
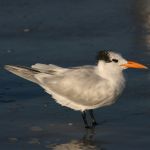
{"x": 85, "y": 143}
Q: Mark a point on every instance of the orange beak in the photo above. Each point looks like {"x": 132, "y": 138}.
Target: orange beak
{"x": 131, "y": 64}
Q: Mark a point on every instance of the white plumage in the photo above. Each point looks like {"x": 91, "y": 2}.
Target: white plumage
{"x": 84, "y": 87}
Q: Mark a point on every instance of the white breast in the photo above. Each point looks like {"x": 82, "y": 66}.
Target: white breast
{"x": 81, "y": 88}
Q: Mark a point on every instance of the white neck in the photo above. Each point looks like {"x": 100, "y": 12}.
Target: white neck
{"x": 111, "y": 72}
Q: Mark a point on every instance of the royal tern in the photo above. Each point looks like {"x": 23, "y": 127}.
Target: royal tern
{"x": 82, "y": 88}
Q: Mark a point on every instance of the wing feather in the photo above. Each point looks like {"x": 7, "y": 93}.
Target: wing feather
{"x": 78, "y": 86}
{"x": 49, "y": 69}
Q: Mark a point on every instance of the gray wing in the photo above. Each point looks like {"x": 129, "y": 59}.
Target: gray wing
{"x": 80, "y": 85}
{"x": 29, "y": 73}
{"x": 49, "y": 69}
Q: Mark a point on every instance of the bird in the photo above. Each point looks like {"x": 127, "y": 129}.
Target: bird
{"x": 81, "y": 88}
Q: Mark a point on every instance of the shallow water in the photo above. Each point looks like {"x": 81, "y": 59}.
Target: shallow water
{"x": 69, "y": 33}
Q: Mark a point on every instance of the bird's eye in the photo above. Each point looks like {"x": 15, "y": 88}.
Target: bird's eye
{"x": 115, "y": 60}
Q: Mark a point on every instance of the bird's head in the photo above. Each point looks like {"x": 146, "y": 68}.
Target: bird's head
{"x": 115, "y": 61}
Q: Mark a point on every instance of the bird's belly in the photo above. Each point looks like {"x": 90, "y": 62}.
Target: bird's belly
{"x": 86, "y": 98}
{"x": 109, "y": 97}
{"x": 84, "y": 102}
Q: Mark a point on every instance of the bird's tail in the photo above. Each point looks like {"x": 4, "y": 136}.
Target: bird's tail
{"x": 24, "y": 72}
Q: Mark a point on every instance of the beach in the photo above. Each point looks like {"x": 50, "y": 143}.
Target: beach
{"x": 67, "y": 34}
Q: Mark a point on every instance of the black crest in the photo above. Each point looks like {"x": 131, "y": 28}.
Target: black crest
{"x": 103, "y": 55}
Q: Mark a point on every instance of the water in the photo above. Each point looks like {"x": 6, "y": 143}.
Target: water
{"x": 69, "y": 33}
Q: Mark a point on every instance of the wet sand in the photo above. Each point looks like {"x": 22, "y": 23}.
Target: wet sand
{"x": 69, "y": 33}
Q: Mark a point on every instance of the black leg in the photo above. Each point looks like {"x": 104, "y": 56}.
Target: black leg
{"x": 85, "y": 119}
{"x": 94, "y": 123}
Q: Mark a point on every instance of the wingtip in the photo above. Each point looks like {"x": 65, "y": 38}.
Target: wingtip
{"x": 6, "y": 67}
{"x": 9, "y": 68}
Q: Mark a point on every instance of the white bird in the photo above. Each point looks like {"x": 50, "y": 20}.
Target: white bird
{"x": 82, "y": 88}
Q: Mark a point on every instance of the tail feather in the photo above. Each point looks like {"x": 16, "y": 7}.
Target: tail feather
{"x": 24, "y": 72}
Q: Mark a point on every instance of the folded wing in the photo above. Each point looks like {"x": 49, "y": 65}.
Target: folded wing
{"x": 76, "y": 86}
